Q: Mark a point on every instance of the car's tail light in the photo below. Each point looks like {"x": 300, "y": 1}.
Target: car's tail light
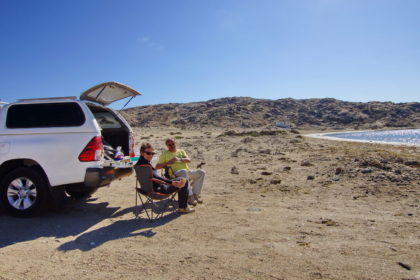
{"x": 132, "y": 146}
{"x": 94, "y": 150}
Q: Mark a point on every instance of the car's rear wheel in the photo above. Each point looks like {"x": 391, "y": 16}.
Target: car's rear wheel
{"x": 24, "y": 192}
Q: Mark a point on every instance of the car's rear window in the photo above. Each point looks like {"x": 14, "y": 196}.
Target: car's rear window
{"x": 107, "y": 120}
{"x": 45, "y": 115}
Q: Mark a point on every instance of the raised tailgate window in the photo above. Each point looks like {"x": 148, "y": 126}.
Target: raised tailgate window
{"x": 107, "y": 120}
{"x": 45, "y": 115}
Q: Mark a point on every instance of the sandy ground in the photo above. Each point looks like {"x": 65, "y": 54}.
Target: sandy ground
{"x": 276, "y": 207}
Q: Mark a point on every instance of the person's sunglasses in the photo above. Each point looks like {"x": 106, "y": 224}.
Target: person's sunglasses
{"x": 150, "y": 153}
{"x": 170, "y": 144}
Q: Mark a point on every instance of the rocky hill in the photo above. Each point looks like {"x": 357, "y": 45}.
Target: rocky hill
{"x": 248, "y": 112}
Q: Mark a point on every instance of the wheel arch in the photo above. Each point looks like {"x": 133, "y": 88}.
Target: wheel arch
{"x": 10, "y": 165}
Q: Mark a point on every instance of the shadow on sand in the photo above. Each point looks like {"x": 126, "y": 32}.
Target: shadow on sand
{"x": 77, "y": 217}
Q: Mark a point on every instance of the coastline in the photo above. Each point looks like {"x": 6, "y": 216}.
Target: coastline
{"x": 327, "y": 136}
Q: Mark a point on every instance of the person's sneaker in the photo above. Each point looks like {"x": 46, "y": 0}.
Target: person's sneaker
{"x": 186, "y": 210}
{"x": 191, "y": 200}
{"x": 198, "y": 198}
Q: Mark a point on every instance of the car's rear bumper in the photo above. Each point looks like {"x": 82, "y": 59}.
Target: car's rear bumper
{"x": 99, "y": 177}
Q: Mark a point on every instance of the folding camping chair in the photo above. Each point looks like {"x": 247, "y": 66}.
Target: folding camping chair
{"x": 144, "y": 187}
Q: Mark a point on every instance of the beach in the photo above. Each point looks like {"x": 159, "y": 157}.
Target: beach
{"x": 407, "y": 137}
{"x": 277, "y": 205}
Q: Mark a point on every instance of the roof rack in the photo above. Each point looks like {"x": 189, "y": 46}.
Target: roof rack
{"x": 49, "y": 98}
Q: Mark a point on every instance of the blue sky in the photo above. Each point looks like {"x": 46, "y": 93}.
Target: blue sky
{"x": 196, "y": 50}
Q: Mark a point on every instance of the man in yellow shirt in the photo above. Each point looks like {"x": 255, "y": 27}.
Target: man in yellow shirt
{"x": 177, "y": 160}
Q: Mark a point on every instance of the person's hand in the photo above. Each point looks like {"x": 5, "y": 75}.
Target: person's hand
{"x": 172, "y": 161}
{"x": 178, "y": 184}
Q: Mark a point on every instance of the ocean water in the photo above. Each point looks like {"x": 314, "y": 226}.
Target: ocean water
{"x": 405, "y": 136}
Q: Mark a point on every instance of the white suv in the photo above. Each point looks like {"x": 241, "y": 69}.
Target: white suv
{"x": 55, "y": 145}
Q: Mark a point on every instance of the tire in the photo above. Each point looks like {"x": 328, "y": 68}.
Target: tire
{"x": 81, "y": 193}
{"x": 24, "y": 192}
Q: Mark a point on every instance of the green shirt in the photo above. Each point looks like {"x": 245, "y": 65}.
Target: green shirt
{"x": 167, "y": 156}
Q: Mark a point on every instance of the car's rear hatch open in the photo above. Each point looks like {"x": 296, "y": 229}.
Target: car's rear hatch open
{"x": 108, "y": 92}
{"x": 115, "y": 131}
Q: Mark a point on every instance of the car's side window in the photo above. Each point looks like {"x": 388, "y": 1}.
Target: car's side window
{"x": 45, "y": 115}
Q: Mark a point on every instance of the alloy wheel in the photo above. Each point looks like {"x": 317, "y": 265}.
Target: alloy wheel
{"x": 21, "y": 193}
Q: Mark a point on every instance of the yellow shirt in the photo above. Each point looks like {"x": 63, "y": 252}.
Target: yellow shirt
{"x": 167, "y": 156}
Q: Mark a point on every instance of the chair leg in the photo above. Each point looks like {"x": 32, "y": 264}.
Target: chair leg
{"x": 149, "y": 216}
{"x": 153, "y": 209}
{"x": 153, "y": 216}
{"x": 136, "y": 210}
{"x": 168, "y": 202}
{"x": 159, "y": 212}
{"x": 171, "y": 202}
{"x": 143, "y": 207}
